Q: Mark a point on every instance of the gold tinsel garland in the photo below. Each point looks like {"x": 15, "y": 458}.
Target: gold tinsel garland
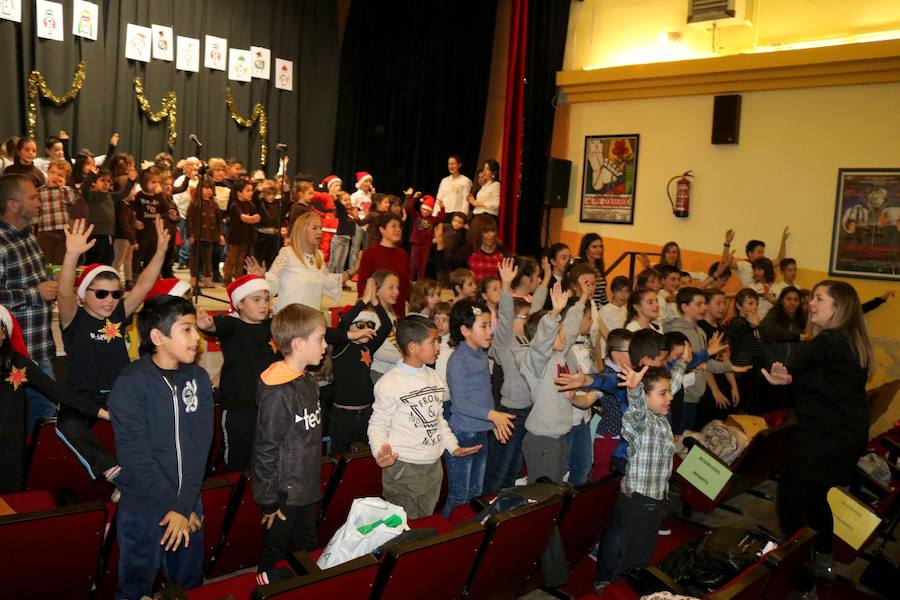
{"x": 38, "y": 87}
{"x": 258, "y": 116}
{"x": 169, "y": 109}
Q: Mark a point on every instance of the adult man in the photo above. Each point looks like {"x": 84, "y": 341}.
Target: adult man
{"x": 25, "y": 288}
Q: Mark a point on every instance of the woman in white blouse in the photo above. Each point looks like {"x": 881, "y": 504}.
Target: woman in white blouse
{"x": 487, "y": 199}
{"x": 299, "y": 274}
{"x": 454, "y": 189}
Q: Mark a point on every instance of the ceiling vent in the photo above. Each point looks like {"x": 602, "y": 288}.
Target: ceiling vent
{"x": 706, "y": 13}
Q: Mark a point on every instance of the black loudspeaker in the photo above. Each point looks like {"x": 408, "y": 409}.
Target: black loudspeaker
{"x": 556, "y": 184}
{"x": 726, "y": 128}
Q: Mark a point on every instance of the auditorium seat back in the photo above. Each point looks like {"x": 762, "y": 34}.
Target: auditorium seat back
{"x": 353, "y": 579}
{"x": 241, "y": 541}
{"x": 786, "y": 561}
{"x": 357, "y": 476}
{"x": 586, "y": 514}
{"x": 749, "y": 585}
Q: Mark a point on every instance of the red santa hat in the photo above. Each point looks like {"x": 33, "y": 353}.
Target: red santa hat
{"x": 88, "y": 274}
{"x": 13, "y": 331}
{"x": 428, "y": 203}
{"x": 243, "y": 286}
{"x": 360, "y": 177}
{"x": 168, "y": 287}
{"x": 330, "y": 180}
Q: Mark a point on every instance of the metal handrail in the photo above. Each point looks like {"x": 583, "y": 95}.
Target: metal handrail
{"x": 631, "y": 255}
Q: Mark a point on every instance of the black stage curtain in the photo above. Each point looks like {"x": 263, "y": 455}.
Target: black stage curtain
{"x": 548, "y": 22}
{"x": 304, "y": 31}
{"x": 413, "y": 90}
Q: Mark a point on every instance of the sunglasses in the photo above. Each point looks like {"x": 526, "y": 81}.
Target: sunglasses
{"x": 102, "y": 294}
{"x": 364, "y": 324}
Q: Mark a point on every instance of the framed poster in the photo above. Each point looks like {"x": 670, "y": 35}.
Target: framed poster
{"x": 865, "y": 239}
{"x": 610, "y": 175}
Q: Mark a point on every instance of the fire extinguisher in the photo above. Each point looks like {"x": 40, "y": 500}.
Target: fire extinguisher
{"x": 681, "y": 205}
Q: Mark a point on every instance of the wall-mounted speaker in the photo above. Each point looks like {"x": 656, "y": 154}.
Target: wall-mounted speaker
{"x": 556, "y": 184}
{"x": 726, "y": 127}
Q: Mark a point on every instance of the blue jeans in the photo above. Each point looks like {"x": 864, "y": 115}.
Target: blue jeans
{"x": 465, "y": 476}
{"x": 40, "y": 406}
{"x": 687, "y": 417}
{"x": 359, "y": 243}
{"x": 184, "y": 253}
{"x": 581, "y": 455}
{"x": 505, "y": 460}
{"x": 340, "y": 247}
{"x": 141, "y": 556}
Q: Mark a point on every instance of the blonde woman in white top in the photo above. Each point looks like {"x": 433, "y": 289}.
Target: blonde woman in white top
{"x": 299, "y": 272}
{"x": 455, "y": 188}
{"x": 487, "y": 199}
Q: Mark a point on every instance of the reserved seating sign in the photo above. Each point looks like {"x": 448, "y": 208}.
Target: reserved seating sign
{"x": 704, "y": 471}
{"x": 854, "y": 522}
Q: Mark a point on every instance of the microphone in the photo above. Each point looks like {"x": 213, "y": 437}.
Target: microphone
{"x": 196, "y": 140}
{"x": 281, "y": 147}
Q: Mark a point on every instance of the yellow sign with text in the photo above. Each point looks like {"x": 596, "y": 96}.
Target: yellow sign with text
{"x": 704, "y": 471}
{"x": 854, "y": 522}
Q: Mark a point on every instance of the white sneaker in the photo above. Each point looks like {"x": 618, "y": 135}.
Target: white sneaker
{"x": 665, "y": 531}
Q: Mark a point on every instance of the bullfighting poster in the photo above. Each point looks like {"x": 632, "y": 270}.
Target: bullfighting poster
{"x": 610, "y": 175}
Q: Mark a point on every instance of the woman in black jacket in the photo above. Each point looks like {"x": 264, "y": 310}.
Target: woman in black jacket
{"x": 830, "y": 372}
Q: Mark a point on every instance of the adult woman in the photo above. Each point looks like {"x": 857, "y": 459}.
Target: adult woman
{"x": 669, "y": 255}
{"x": 487, "y": 199}
{"x": 387, "y": 255}
{"x": 591, "y": 252}
{"x": 785, "y": 322}
{"x": 829, "y": 372}
{"x": 454, "y": 188}
{"x": 484, "y": 251}
{"x": 298, "y": 273}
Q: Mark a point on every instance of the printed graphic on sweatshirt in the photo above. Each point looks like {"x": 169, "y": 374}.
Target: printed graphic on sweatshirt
{"x": 189, "y": 396}
{"x": 108, "y": 332}
{"x": 309, "y": 420}
{"x": 425, "y": 405}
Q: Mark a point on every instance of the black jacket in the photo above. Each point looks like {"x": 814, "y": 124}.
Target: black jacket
{"x": 352, "y": 362}
{"x": 163, "y": 435}
{"x": 287, "y": 448}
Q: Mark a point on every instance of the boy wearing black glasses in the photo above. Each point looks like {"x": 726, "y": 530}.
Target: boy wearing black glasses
{"x": 93, "y": 312}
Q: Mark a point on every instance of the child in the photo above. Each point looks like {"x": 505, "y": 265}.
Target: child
{"x": 546, "y": 442}
{"x": 149, "y": 205}
{"x": 242, "y": 216}
{"x": 94, "y": 338}
{"x": 352, "y": 362}
{"x": 643, "y": 310}
{"x": 469, "y": 380}
{"x": 632, "y": 532}
{"x": 615, "y": 312}
{"x": 449, "y": 241}
{"x": 388, "y": 254}
{"x": 489, "y": 292}
{"x": 56, "y": 198}
{"x": 462, "y": 282}
{"x": 324, "y": 204}
{"x": 381, "y": 205}
{"x": 267, "y": 241}
{"x": 248, "y": 349}
{"x": 648, "y": 279}
{"x": 17, "y": 370}
{"x": 764, "y": 285}
{"x": 126, "y": 238}
{"x": 527, "y": 278}
{"x": 753, "y": 249}
{"x": 716, "y": 402}
{"x": 609, "y": 429}
{"x": 670, "y": 278}
{"x": 509, "y": 348}
{"x": 424, "y": 296}
{"x": 788, "y": 268}
{"x": 26, "y": 152}
{"x": 287, "y": 449}
{"x": 387, "y": 293}
{"x": 407, "y": 430}
{"x": 746, "y": 347}
{"x": 103, "y": 204}
{"x": 422, "y": 236}
{"x": 204, "y": 231}
{"x": 441, "y": 317}
{"x": 162, "y": 416}
{"x": 346, "y": 226}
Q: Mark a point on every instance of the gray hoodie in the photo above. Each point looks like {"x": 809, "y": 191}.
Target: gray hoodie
{"x": 510, "y": 354}
{"x": 697, "y": 338}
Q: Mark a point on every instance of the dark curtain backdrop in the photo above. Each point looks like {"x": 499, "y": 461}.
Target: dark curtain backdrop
{"x": 413, "y": 90}
{"x": 304, "y": 31}
{"x": 547, "y": 25}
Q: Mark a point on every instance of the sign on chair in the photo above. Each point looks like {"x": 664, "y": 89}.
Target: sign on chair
{"x": 705, "y": 472}
{"x": 854, "y": 522}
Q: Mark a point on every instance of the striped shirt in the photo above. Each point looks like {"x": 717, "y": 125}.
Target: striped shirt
{"x": 20, "y": 273}
{"x": 651, "y": 447}
{"x": 54, "y": 207}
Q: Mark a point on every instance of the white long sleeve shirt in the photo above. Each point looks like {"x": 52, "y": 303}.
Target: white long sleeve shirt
{"x": 408, "y": 414}
{"x": 453, "y": 192}
{"x": 295, "y": 280}
{"x": 489, "y": 194}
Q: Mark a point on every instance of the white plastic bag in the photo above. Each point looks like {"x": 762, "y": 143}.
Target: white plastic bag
{"x": 348, "y": 543}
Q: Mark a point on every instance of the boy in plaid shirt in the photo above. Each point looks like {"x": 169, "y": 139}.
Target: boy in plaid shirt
{"x": 56, "y": 198}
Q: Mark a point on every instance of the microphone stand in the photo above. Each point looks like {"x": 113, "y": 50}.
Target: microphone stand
{"x": 196, "y": 294}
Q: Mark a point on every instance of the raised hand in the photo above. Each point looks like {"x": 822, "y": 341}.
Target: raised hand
{"x": 508, "y": 271}
{"x": 253, "y": 266}
{"x": 778, "y": 376}
{"x": 729, "y": 236}
{"x": 114, "y": 139}
{"x": 558, "y": 298}
{"x": 386, "y": 456}
{"x": 715, "y": 344}
{"x": 370, "y": 295}
{"x": 77, "y": 237}
{"x": 162, "y": 236}
{"x": 586, "y": 285}
{"x": 631, "y": 379}
{"x": 204, "y": 321}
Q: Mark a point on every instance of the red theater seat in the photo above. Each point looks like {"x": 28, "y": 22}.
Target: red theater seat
{"x": 28, "y": 502}
{"x": 357, "y": 476}
{"x": 241, "y": 542}
{"x": 786, "y": 561}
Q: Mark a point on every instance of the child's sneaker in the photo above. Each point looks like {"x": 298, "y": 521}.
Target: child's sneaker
{"x": 115, "y": 496}
{"x": 594, "y": 554}
{"x": 599, "y": 587}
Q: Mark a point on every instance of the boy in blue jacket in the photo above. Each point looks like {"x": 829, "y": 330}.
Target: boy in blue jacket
{"x": 162, "y": 415}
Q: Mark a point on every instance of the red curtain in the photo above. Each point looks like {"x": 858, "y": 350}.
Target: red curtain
{"x": 513, "y": 123}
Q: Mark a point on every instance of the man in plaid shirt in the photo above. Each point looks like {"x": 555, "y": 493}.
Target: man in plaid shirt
{"x": 25, "y": 289}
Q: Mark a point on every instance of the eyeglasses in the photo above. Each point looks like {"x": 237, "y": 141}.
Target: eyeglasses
{"x": 364, "y": 324}
{"x": 102, "y": 294}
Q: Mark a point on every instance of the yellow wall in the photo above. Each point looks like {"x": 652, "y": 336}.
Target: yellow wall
{"x": 783, "y": 172}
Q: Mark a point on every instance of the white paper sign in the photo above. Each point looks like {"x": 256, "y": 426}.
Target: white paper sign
{"x": 188, "y": 54}
{"x": 137, "y": 42}
{"x": 216, "y": 52}
{"x": 239, "y": 64}
{"x": 163, "y": 46}
{"x": 284, "y": 74}
{"x": 11, "y": 10}
{"x": 49, "y": 18}
{"x": 262, "y": 62}
{"x": 85, "y": 19}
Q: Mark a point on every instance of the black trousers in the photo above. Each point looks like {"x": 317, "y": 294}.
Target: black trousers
{"x": 803, "y": 503}
{"x": 631, "y": 536}
{"x": 238, "y": 428}
{"x": 266, "y": 248}
{"x": 102, "y": 252}
{"x": 296, "y": 532}
{"x": 74, "y": 429}
{"x": 348, "y": 426}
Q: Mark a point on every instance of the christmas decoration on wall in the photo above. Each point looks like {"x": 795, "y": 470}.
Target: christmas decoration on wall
{"x": 257, "y": 117}
{"x": 38, "y": 87}
{"x": 169, "y": 110}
